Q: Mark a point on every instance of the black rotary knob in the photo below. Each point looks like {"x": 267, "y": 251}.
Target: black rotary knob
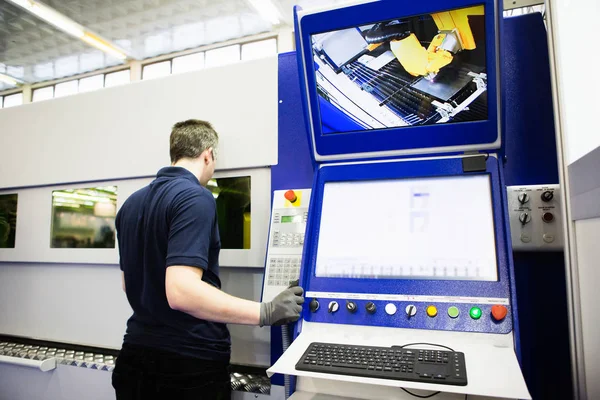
{"x": 523, "y": 198}
{"x": 314, "y": 305}
{"x": 547, "y": 196}
{"x": 351, "y": 306}
{"x": 371, "y": 308}
{"x": 525, "y": 218}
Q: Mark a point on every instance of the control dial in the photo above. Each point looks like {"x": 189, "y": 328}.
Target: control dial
{"x": 523, "y": 198}
{"x": 525, "y": 218}
{"x": 314, "y": 305}
{"x": 547, "y": 196}
{"x": 351, "y": 306}
{"x": 371, "y": 308}
{"x": 410, "y": 310}
{"x": 333, "y": 307}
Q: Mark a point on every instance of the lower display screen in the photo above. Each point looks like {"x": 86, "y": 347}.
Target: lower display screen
{"x": 432, "y": 228}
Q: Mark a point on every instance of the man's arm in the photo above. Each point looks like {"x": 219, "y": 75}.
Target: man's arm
{"x": 187, "y": 292}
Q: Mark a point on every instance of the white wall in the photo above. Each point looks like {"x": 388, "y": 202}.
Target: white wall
{"x": 85, "y": 304}
{"x": 572, "y": 24}
{"x": 123, "y": 132}
{"x": 575, "y": 24}
{"x": 588, "y": 253}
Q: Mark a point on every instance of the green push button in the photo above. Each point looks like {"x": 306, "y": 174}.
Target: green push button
{"x": 475, "y": 312}
{"x": 453, "y": 312}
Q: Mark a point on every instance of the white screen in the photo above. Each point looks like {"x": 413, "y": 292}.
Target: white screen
{"x": 432, "y": 228}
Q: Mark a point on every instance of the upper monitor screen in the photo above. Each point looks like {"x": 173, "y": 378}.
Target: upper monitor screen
{"x": 421, "y": 70}
{"x": 430, "y": 228}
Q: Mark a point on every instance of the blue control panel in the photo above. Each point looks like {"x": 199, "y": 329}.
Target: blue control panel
{"x": 427, "y": 256}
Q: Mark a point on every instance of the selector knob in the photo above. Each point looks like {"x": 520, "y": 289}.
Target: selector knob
{"x": 525, "y": 218}
{"x": 523, "y": 198}
{"x": 371, "y": 308}
{"x": 410, "y": 310}
{"x": 351, "y": 306}
{"x": 314, "y": 305}
{"x": 333, "y": 307}
{"x": 547, "y": 196}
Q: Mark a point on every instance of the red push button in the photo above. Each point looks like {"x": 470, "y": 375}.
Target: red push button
{"x": 499, "y": 312}
{"x": 290, "y": 196}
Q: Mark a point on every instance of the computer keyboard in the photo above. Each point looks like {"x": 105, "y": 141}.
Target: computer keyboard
{"x": 417, "y": 365}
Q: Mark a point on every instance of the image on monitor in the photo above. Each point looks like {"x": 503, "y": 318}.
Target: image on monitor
{"x": 428, "y": 228}
{"x": 420, "y": 70}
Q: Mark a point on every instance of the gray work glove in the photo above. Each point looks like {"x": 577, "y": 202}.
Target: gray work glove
{"x": 284, "y": 308}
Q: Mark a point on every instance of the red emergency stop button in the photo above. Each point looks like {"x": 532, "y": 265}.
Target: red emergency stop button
{"x": 290, "y": 196}
{"x": 499, "y": 312}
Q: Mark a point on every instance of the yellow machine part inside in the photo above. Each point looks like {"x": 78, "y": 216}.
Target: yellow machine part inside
{"x": 418, "y": 61}
{"x": 459, "y": 20}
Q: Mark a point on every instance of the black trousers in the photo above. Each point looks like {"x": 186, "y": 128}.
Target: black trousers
{"x": 143, "y": 373}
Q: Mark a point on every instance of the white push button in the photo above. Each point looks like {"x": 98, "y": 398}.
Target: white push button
{"x": 411, "y": 310}
{"x": 548, "y": 237}
{"x": 525, "y": 238}
{"x": 390, "y": 309}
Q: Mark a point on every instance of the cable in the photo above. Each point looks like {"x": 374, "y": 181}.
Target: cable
{"x": 428, "y": 344}
{"x": 419, "y": 396}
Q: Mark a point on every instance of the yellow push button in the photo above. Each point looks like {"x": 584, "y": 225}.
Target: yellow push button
{"x": 432, "y": 311}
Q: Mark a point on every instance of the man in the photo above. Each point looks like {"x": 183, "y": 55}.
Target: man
{"x": 177, "y": 345}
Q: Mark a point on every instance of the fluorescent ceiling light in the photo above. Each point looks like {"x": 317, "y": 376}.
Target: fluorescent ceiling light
{"x": 52, "y": 16}
{"x": 267, "y": 10}
{"x": 102, "y": 45}
{"x": 9, "y": 80}
{"x": 69, "y": 26}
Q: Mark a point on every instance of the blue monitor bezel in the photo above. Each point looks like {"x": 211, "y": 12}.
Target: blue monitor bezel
{"x": 439, "y": 138}
{"x": 407, "y": 169}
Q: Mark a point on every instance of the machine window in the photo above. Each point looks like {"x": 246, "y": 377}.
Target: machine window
{"x": 8, "y": 220}
{"x": 84, "y": 218}
{"x": 233, "y": 209}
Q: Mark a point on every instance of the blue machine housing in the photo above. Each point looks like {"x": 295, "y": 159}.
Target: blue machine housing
{"x": 437, "y": 138}
{"x": 482, "y": 289}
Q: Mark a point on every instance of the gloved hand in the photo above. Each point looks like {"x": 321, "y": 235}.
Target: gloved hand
{"x": 284, "y": 308}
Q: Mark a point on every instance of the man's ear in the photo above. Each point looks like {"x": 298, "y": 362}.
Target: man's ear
{"x": 207, "y": 155}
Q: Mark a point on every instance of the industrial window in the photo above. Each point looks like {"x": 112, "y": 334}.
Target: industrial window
{"x": 84, "y": 218}
{"x": 44, "y": 93}
{"x": 222, "y": 56}
{"x": 232, "y": 196}
{"x": 260, "y": 49}
{"x": 117, "y": 78}
{"x": 13, "y": 100}
{"x": 8, "y": 219}
{"x": 156, "y": 70}
{"x": 192, "y": 62}
{"x": 66, "y": 88}
{"x": 91, "y": 83}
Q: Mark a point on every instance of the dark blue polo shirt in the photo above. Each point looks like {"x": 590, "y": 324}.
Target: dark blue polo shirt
{"x": 172, "y": 221}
